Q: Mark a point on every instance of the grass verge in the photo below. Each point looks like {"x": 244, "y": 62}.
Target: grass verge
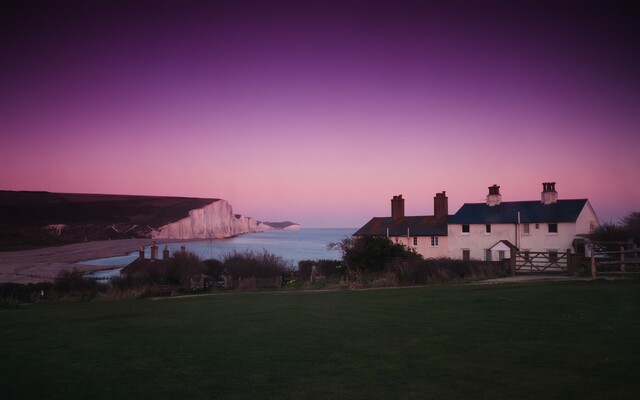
{"x": 544, "y": 340}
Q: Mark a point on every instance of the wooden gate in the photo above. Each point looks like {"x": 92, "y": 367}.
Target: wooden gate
{"x": 539, "y": 262}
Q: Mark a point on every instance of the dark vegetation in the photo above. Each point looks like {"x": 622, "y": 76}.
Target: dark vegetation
{"x": 628, "y": 228}
{"x": 26, "y": 215}
{"x": 367, "y": 262}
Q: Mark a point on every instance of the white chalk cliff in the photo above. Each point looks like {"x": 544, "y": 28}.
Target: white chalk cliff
{"x": 215, "y": 220}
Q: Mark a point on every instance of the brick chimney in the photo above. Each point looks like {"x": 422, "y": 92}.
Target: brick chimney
{"x": 494, "y": 197}
{"x": 165, "y": 252}
{"x": 154, "y": 252}
{"x": 441, "y": 205}
{"x": 141, "y": 253}
{"x": 549, "y": 194}
{"x": 397, "y": 207}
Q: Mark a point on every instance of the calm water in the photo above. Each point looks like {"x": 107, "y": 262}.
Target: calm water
{"x": 293, "y": 246}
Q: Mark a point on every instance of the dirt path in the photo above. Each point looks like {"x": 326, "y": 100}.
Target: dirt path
{"x": 529, "y": 278}
{"x": 37, "y": 265}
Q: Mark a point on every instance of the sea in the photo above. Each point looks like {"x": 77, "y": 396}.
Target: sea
{"x": 293, "y": 246}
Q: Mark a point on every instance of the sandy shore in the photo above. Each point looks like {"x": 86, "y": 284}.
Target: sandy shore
{"x": 30, "y": 266}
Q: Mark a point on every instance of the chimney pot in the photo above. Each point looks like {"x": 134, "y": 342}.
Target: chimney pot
{"x": 549, "y": 194}
{"x": 494, "y": 197}
{"x": 154, "y": 252}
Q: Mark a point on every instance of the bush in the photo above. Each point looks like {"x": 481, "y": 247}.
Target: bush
{"x": 74, "y": 284}
{"x": 372, "y": 253}
{"x": 184, "y": 265}
{"x": 443, "y": 270}
{"x": 249, "y": 263}
{"x": 17, "y": 293}
{"x": 215, "y": 268}
{"x": 326, "y": 268}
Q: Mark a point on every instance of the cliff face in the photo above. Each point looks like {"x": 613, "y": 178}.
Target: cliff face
{"x": 215, "y": 220}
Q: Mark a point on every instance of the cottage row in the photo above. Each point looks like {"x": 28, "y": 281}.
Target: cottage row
{"x": 487, "y": 231}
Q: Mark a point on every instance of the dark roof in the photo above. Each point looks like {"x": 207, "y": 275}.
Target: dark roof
{"x": 530, "y": 211}
{"x": 418, "y": 226}
{"x": 145, "y": 267}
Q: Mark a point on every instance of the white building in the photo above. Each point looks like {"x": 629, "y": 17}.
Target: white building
{"x": 427, "y": 234}
{"x": 486, "y": 230}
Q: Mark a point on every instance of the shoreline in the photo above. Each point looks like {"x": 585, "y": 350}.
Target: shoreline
{"x": 43, "y": 264}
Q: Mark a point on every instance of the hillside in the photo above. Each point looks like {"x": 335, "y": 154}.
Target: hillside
{"x": 35, "y": 219}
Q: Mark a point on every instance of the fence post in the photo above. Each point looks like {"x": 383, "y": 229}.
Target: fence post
{"x": 569, "y": 264}
{"x": 513, "y": 261}
{"x": 593, "y": 262}
{"x": 622, "y": 266}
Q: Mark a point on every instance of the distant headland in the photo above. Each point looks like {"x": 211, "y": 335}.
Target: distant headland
{"x": 39, "y": 219}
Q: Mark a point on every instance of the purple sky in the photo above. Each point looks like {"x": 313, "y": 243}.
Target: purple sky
{"x": 320, "y": 111}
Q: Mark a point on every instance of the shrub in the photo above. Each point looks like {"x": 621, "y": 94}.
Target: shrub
{"x": 215, "y": 268}
{"x": 74, "y": 284}
{"x": 326, "y": 268}
{"x": 371, "y": 253}
{"x": 443, "y": 270}
{"x": 249, "y": 263}
{"x": 184, "y": 265}
{"x": 32, "y": 292}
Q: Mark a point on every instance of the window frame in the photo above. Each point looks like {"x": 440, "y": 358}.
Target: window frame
{"x": 550, "y": 231}
{"x": 434, "y": 241}
{"x": 487, "y": 229}
{"x": 415, "y": 240}
{"x": 462, "y": 229}
{"x": 526, "y": 228}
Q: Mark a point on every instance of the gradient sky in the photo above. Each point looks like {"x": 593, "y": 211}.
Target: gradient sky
{"x": 320, "y": 111}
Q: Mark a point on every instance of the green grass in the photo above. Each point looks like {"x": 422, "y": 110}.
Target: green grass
{"x": 538, "y": 341}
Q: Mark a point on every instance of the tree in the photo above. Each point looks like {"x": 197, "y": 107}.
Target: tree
{"x": 627, "y": 228}
{"x": 371, "y": 253}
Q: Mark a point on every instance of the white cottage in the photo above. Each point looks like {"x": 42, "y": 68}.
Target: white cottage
{"x": 487, "y": 230}
{"x": 427, "y": 234}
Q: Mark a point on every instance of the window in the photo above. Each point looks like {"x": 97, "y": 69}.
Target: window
{"x": 487, "y": 228}
{"x": 487, "y": 255}
{"x": 525, "y": 229}
{"x": 553, "y": 228}
{"x": 465, "y": 228}
{"x": 415, "y": 241}
{"x": 466, "y": 254}
{"x": 434, "y": 241}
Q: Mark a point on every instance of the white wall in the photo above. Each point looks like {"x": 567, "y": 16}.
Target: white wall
{"x": 477, "y": 241}
{"x": 424, "y": 247}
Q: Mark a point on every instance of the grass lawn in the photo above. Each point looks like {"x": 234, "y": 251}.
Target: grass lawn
{"x": 573, "y": 340}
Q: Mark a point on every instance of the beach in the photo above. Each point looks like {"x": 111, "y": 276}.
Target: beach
{"x": 38, "y": 265}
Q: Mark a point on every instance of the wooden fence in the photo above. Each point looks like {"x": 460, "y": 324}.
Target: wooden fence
{"x": 624, "y": 260}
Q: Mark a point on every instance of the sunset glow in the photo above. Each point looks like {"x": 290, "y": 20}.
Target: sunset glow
{"x": 320, "y": 112}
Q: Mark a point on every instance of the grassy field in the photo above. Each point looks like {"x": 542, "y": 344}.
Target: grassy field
{"x": 575, "y": 340}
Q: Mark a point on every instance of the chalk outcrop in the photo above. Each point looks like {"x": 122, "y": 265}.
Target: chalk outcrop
{"x": 215, "y": 220}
